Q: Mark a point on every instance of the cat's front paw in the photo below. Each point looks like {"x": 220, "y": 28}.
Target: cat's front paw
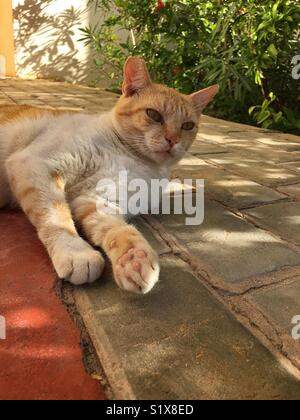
{"x": 137, "y": 270}
{"x": 77, "y": 262}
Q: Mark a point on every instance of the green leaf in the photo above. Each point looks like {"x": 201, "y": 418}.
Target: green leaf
{"x": 262, "y": 116}
{"x": 252, "y": 109}
{"x": 278, "y": 117}
{"x": 258, "y": 78}
{"x": 272, "y": 97}
{"x": 267, "y": 124}
{"x": 290, "y": 115}
{"x": 265, "y": 105}
{"x": 263, "y": 25}
{"x": 272, "y": 29}
{"x": 275, "y": 10}
{"x": 272, "y": 50}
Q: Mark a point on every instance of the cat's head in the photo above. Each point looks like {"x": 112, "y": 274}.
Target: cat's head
{"x": 159, "y": 123}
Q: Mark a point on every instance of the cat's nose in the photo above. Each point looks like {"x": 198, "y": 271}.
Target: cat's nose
{"x": 172, "y": 141}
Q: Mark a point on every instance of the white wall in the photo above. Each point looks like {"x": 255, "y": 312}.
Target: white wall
{"x": 46, "y": 36}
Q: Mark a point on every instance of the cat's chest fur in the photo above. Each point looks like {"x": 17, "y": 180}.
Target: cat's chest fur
{"x": 117, "y": 176}
{"x": 92, "y": 157}
{"x": 83, "y": 149}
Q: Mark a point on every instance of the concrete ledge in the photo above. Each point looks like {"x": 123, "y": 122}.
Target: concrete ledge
{"x": 179, "y": 342}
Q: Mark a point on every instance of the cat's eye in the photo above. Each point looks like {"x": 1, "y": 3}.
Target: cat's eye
{"x": 154, "y": 115}
{"x": 188, "y": 126}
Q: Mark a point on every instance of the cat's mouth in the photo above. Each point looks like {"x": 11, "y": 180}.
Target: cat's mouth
{"x": 165, "y": 155}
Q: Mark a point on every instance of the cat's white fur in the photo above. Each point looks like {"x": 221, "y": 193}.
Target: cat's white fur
{"x": 82, "y": 150}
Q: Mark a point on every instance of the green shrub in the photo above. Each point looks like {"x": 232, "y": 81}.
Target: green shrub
{"x": 246, "y": 46}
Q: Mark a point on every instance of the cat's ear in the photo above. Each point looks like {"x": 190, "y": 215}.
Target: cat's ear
{"x": 136, "y": 76}
{"x": 202, "y": 98}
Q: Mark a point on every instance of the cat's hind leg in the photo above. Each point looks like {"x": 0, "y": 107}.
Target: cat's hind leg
{"x": 135, "y": 263}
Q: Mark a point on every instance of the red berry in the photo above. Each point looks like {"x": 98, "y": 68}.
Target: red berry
{"x": 160, "y": 6}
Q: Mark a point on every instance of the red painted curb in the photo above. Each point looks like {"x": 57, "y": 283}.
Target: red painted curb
{"x": 41, "y": 356}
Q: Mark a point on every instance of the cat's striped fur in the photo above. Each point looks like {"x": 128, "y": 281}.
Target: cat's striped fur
{"x": 51, "y": 162}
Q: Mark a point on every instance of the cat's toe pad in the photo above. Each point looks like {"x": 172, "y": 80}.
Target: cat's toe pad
{"x": 137, "y": 270}
{"x": 79, "y": 264}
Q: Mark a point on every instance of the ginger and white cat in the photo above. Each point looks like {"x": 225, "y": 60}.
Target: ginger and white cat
{"x": 51, "y": 162}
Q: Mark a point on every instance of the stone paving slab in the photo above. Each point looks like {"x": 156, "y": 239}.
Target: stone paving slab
{"x": 157, "y": 243}
{"x": 269, "y": 146}
{"x": 233, "y": 190}
{"x": 206, "y": 148}
{"x": 292, "y": 166}
{"x": 251, "y": 167}
{"x": 276, "y": 312}
{"x": 265, "y": 153}
{"x": 282, "y": 218}
{"x": 292, "y": 190}
{"x": 179, "y": 342}
{"x": 228, "y": 132}
{"x": 283, "y": 141}
{"x": 281, "y": 303}
{"x": 56, "y": 95}
{"x": 234, "y": 249}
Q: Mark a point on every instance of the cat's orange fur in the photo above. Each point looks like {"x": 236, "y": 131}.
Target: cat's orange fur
{"x": 51, "y": 161}
{"x": 13, "y": 112}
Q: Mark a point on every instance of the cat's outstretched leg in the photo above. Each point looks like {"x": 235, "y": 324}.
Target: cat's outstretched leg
{"x": 135, "y": 264}
{"x": 41, "y": 194}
